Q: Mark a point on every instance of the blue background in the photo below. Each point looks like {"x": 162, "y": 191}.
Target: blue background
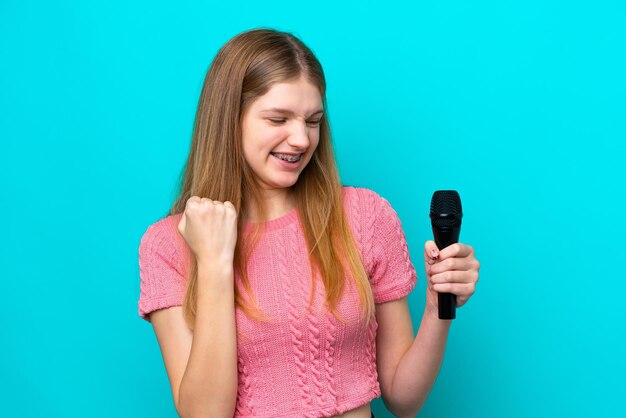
{"x": 520, "y": 106}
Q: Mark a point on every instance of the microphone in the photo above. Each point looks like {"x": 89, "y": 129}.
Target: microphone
{"x": 445, "y": 216}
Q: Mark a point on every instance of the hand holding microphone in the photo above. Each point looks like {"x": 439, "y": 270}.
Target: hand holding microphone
{"x": 451, "y": 267}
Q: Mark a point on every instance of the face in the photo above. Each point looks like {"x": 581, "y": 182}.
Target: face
{"x": 283, "y": 124}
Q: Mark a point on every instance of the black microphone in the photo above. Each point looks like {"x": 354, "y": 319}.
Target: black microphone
{"x": 445, "y": 216}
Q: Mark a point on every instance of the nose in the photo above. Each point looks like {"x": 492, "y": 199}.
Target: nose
{"x": 299, "y": 136}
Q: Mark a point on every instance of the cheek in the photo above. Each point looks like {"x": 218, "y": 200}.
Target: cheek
{"x": 246, "y": 148}
{"x": 315, "y": 140}
{"x": 259, "y": 138}
{"x": 251, "y": 151}
{"x": 267, "y": 138}
{"x": 257, "y": 148}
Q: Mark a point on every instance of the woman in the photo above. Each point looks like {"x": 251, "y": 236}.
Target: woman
{"x": 273, "y": 290}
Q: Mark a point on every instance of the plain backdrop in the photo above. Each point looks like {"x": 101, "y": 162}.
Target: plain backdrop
{"x": 520, "y": 106}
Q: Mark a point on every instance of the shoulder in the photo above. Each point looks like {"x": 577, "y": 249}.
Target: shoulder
{"x": 362, "y": 208}
{"x": 360, "y": 192}
{"x": 361, "y": 197}
{"x": 162, "y": 238}
{"x": 157, "y": 231}
{"x": 365, "y": 206}
{"x": 163, "y": 266}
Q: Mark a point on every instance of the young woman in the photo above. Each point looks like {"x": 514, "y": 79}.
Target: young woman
{"x": 273, "y": 290}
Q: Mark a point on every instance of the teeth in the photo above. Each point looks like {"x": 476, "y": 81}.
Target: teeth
{"x": 289, "y": 158}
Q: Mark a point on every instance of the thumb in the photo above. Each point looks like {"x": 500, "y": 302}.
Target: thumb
{"x": 182, "y": 223}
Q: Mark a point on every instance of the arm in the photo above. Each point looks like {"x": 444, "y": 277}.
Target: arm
{"x": 202, "y": 366}
{"x": 407, "y": 367}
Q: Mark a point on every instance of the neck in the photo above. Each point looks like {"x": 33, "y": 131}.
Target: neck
{"x": 275, "y": 205}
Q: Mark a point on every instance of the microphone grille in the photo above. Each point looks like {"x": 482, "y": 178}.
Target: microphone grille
{"x": 445, "y": 209}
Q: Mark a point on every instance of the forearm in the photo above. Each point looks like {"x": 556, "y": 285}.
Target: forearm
{"x": 417, "y": 370}
{"x": 209, "y": 385}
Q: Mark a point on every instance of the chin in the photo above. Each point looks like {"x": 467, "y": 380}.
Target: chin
{"x": 285, "y": 183}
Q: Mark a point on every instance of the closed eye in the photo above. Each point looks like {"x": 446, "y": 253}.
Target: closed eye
{"x": 278, "y": 121}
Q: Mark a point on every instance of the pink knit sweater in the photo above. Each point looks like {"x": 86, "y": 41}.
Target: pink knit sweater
{"x": 300, "y": 364}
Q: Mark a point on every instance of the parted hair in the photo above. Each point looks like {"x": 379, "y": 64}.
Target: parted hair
{"x": 244, "y": 69}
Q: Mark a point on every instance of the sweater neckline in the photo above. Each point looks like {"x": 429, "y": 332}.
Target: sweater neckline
{"x": 276, "y": 223}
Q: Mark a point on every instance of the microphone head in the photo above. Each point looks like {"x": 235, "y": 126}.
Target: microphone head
{"x": 445, "y": 209}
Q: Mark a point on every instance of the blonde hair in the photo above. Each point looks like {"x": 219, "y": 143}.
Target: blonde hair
{"x": 243, "y": 70}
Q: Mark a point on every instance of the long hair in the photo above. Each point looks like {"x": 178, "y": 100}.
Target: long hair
{"x": 244, "y": 69}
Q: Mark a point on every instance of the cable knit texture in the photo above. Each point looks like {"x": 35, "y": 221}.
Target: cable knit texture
{"x": 303, "y": 363}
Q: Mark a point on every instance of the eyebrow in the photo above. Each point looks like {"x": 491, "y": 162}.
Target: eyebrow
{"x": 289, "y": 112}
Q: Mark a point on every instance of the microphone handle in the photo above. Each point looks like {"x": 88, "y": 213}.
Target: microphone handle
{"x": 447, "y": 301}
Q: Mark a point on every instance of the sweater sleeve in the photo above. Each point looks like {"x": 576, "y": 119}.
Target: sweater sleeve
{"x": 163, "y": 279}
{"x": 392, "y": 273}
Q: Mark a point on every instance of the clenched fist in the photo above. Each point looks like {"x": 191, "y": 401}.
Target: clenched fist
{"x": 210, "y": 229}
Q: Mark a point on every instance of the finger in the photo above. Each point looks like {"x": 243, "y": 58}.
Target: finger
{"x": 459, "y": 289}
{"x": 192, "y": 201}
{"x": 456, "y": 250}
{"x": 452, "y": 264}
{"x": 455, "y": 277}
{"x": 461, "y": 300}
{"x": 431, "y": 252}
{"x": 230, "y": 208}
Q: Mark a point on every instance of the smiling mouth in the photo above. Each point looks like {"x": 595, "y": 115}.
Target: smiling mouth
{"x": 287, "y": 157}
